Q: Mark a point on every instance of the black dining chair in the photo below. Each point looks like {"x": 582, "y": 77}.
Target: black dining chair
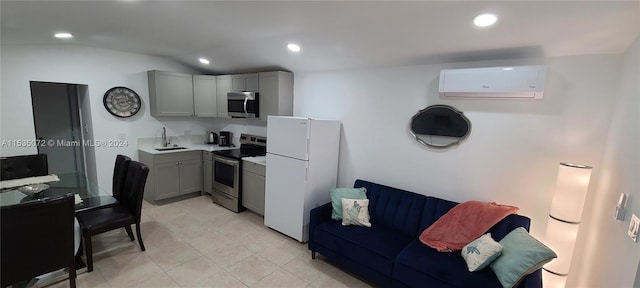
{"x": 119, "y": 174}
{"x": 22, "y": 166}
{"x": 126, "y": 213}
{"x": 37, "y": 238}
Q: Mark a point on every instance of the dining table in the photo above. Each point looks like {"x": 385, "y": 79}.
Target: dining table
{"x": 89, "y": 197}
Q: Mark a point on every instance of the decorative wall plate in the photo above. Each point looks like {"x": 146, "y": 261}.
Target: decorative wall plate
{"x": 121, "y": 102}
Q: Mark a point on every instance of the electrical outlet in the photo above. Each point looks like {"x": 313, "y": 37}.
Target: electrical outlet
{"x": 633, "y": 228}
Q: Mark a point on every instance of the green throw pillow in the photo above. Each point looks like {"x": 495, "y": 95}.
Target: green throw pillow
{"x": 521, "y": 255}
{"x": 336, "y": 199}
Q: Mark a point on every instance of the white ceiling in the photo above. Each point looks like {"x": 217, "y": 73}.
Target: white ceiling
{"x": 247, "y": 36}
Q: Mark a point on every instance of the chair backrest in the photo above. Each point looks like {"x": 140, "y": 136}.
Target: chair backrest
{"x": 133, "y": 190}
{"x": 37, "y": 238}
{"x": 16, "y": 167}
{"x": 119, "y": 174}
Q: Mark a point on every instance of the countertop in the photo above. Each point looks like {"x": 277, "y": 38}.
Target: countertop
{"x": 262, "y": 160}
{"x": 190, "y": 147}
{"x": 148, "y": 145}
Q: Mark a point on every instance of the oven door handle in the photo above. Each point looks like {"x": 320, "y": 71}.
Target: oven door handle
{"x": 230, "y": 162}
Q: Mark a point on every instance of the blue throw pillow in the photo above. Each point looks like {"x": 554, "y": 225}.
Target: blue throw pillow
{"x": 521, "y": 255}
{"x": 336, "y": 199}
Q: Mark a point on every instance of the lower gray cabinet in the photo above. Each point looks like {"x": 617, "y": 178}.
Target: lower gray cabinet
{"x": 253, "y": 181}
{"x": 172, "y": 174}
{"x": 207, "y": 173}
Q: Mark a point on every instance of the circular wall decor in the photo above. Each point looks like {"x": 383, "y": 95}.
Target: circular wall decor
{"x": 121, "y": 102}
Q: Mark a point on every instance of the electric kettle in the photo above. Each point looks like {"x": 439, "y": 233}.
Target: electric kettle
{"x": 213, "y": 138}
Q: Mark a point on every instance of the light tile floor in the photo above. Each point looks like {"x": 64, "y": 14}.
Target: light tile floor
{"x": 195, "y": 243}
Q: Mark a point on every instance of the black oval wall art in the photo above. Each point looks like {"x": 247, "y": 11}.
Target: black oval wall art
{"x": 439, "y": 126}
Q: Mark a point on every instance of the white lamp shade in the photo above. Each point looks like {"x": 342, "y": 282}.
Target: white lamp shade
{"x": 561, "y": 238}
{"x": 571, "y": 191}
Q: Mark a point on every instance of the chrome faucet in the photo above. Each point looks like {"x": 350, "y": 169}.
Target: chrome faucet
{"x": 165, "y": 143}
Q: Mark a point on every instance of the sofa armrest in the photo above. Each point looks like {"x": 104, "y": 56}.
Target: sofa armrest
{"x": 533, "y": 280}
{"x": 318, "y": 215}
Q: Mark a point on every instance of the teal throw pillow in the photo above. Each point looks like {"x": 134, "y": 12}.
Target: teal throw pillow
{"x": 521, "y": 255}
{"x": 336, "y": 199}
{"x": 481, "y": 252}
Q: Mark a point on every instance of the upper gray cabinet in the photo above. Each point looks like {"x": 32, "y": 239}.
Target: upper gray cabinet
{"x": 205, "y": 96}
{"x": 244, "y": 82}
{"x": 276, "y": 94}
{"x": 179, "y": 94}
{"x": 223, "y": 87}
{"x": 170, "y": 93}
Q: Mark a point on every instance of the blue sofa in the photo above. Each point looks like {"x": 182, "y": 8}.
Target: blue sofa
{"x": 389, "y": 254}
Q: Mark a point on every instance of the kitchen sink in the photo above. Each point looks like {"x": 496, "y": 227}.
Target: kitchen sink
{"x": 169, "y": 148}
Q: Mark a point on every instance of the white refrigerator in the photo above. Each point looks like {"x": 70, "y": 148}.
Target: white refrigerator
{"x": 302, "y": 166}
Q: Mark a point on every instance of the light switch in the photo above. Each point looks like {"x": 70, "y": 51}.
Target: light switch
{"x": 633, "y": 228}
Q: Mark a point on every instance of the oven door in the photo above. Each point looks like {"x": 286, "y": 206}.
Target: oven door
{"x": 226, "y": 175}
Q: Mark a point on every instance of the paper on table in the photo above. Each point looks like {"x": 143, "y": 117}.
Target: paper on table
{"x": 78, "y": 199}
{"x": 28, "y": 180}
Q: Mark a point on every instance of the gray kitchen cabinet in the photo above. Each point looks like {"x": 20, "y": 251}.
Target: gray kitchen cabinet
{"x": 170, "y": 93}
{"x": 190, "y": 176}
{"x": 166, "y": 180}
{"x": 207, "y": 173}
{"x": 253, "y": 182}
{"x": 276, "y": 94}
{"x": 244, "y": 82}
{"x": 223, "y": 86}
{"x": 172, "y": 174}
{"x": 205, "y": 96}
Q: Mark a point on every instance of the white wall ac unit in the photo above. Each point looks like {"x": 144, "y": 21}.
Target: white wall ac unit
{"x": 494, "y": 82}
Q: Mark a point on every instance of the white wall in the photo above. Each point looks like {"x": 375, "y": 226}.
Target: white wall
{"x": 100, "y": 70}
{"x": 613, "y": 258}
{"x": 514, "y": 149}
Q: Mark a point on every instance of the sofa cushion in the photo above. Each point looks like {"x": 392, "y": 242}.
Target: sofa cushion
{"x": 374, "y": 247}
{"x": 421, "y": 266}
{"x": 394, "y": 208}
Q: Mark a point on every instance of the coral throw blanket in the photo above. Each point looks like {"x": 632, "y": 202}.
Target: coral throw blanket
{"x": 464, "y": 223}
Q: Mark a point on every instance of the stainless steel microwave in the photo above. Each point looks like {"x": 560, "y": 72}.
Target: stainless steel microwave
{"x": 243, "y": 104}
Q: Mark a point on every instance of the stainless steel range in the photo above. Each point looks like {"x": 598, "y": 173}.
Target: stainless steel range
{"x": 227, "y": 171}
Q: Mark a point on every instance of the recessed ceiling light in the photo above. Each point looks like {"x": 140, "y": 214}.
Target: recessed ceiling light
{"x": 484, "y": 20}
{"x": 204, "y": 61}
{"x": 294, "y": 47}
{"x": 63, "y": 35}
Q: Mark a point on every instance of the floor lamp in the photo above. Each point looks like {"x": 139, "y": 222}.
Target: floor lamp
{"x": 564, "y": 220}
